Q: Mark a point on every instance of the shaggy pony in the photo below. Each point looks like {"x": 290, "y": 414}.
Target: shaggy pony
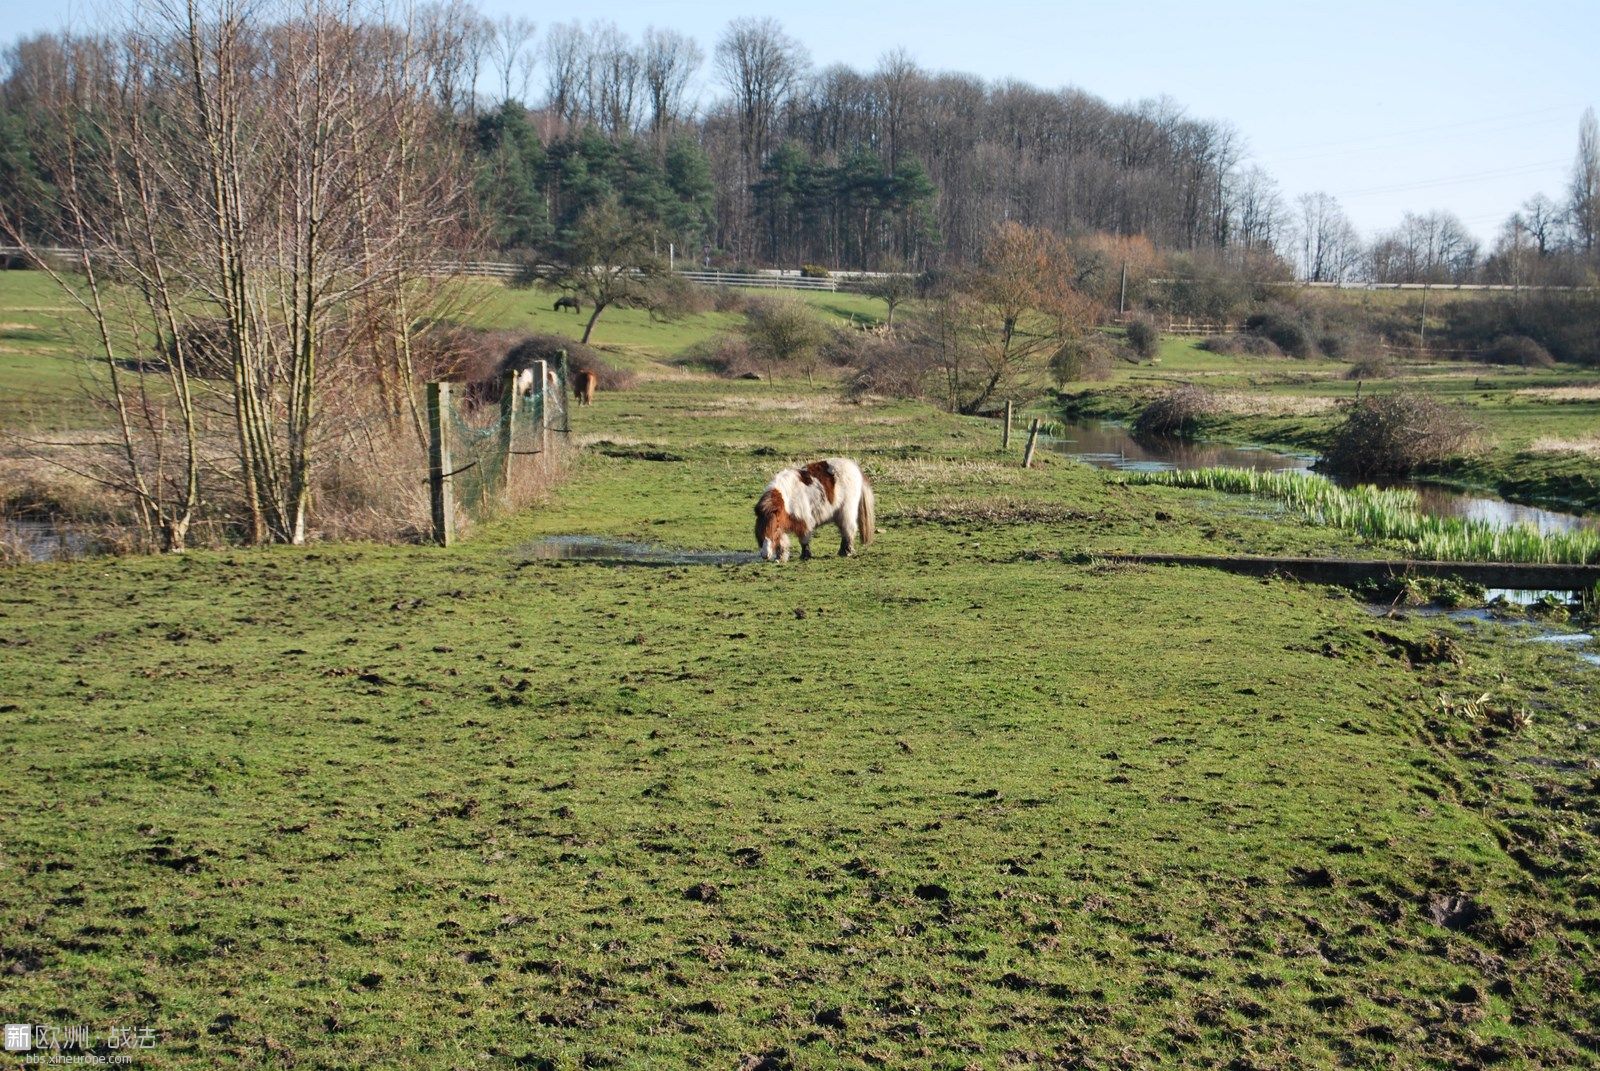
{"x": 800, "y": 500}
{"x": 583, "y": 385}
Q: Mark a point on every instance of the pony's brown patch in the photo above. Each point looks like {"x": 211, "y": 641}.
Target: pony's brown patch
{"x": 773, "y": 518}
{"x": 819, "y": 472}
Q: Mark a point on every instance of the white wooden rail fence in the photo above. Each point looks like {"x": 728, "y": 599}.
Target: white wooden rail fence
{"x": 780, "y": 279}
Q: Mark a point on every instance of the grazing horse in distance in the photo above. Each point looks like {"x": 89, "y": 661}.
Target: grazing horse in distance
{"x": 800, "y": 500}
{"x": 584, "y": 383}
{"x": 569, "y": 301}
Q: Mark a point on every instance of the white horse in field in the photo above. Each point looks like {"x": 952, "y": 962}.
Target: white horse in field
{"x": 800, "y": 500}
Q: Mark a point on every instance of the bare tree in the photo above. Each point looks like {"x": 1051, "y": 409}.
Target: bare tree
{"x": 1584, "y": 204}
{"x": 1542, "y": 217}
{"x": 253, "y": 191}
{"x": 1006, "y": 317}
{"x": 615, "y": 80}
{"x": 670, "y": 60}
{"x": 896, "y": 285}
{"x": 566, "y": 60}
{"x": 1329, "y": 245}
{"x": 510, "y": 49}
{"x": 761, "y": 66}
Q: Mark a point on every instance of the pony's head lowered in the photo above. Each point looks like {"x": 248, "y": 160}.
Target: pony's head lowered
{"x": 773, "y": 525}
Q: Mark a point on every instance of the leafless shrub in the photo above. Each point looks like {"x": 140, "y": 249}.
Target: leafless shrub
{"x": 580, "y": 358}
{"x": 1342, "y": 345}
{"x": 1241, "y": 345}
{"x": 727, "y": 299}
{"x": 1081, "y": 359}
{"x": 1179, "y": 411}
{"x": 1518, "y": 349}
{"x": 724, "y": 355}
{"x": 672, "y": 297}
{"x": 1396, "y": 434}
{"x": 886, "y": 366}
{"x": 1375, "y": 366}
{"x": 783, "y": 331}
{"x": 1144, "y": 336}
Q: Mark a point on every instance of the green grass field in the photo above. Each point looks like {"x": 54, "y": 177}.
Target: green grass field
{"x": 971, "y": 799}
{"x": 50, "y": 366}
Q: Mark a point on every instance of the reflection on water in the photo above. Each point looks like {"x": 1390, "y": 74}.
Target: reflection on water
{"x": 1111, "y": 446}
{"x": 621, "y": 552}
{"x": 44, "y": 541}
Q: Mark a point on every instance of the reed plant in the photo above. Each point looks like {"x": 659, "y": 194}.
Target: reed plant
{"x": 1392, "y": 515}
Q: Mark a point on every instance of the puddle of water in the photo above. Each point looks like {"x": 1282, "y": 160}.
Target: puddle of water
{"x": 1112, "y": 446}
{"x": 1522, "y": 629}
{"x": 622, "y": 552}
{"x": 1564, "y": 637}
{"x": 1519, "y": 597}
{"x": 46, "y": 541}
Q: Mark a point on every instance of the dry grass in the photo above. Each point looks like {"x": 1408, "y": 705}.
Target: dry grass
{"x": 1588, "y": 393}
{"x": 1549, "y": 444}
{"x": 810, "y": 408}
{"x": 945, "y": 472}
{"x": 1251, "y": 403}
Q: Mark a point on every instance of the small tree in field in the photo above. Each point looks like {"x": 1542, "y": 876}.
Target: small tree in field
{"x": 783, "y": 331}
{"x": 1006, "y": 317}
{"x": 607, "y": 258}
{"x": 893, "y": 288}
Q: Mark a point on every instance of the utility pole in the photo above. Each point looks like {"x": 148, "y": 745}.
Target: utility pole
{"x": 1423, "y": 333}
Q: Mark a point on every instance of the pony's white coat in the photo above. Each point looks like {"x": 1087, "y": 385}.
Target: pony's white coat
{"x": 527, "y": 380}
{"x": 832, "y": 491}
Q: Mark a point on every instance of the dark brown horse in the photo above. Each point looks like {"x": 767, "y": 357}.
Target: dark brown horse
{"x": 569, "y": 301}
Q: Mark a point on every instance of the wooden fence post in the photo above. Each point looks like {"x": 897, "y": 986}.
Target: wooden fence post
{"x": 440, "y": 490}
{"x": 1033, "y": 437}
{"x": 541, "y": 369}
{"x": 1005, "y": 433}
{"x": 509, "y": 396}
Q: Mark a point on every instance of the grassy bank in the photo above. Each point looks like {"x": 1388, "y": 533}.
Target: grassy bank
{"x": 957, "y": 802}
{"x": 1538, "y": 444}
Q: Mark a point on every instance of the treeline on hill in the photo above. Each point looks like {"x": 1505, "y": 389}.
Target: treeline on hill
{"x": 786, "y": 164}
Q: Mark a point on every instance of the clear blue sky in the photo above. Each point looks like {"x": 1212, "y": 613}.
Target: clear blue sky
{"x": 1469, "y": 106}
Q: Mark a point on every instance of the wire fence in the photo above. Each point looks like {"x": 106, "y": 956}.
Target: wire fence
{"x": 481, "y": 440}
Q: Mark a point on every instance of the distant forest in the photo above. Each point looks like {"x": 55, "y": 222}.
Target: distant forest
{"x": 785, "y": 164}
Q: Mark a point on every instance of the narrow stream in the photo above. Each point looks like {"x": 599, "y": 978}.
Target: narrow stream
{"x": 1112, "y": 446}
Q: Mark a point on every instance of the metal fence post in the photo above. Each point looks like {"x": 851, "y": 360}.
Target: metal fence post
{"x": 542, "y": 370}
{"x": 440, "y": 490}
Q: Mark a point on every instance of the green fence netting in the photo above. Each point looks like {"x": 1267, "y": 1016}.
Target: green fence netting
{"x": 483, "y": 445}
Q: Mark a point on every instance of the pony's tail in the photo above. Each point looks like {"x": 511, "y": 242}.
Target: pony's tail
{"x": 866, "y": 513}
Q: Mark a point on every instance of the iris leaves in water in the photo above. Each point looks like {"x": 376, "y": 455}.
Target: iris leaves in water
{"x": 1392, "y": 514}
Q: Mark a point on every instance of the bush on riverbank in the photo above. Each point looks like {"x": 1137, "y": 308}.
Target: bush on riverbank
{"x": 1397, "y": 434}
{"x": 1177, "y": 412}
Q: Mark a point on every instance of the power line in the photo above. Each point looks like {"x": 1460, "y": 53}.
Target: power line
{"x": 1474, "y": 176}
{"x": 1400, "y": 141}
{"x": 1434, "y": 128}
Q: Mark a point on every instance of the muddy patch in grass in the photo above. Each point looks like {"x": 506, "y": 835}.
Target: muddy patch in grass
{"x": 621, "y": 552}
{"x": 988, "y": 511}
